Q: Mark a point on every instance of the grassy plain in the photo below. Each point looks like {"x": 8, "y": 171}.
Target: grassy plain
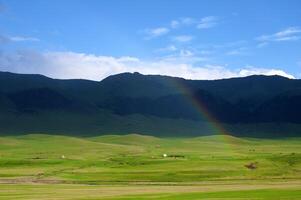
{"x": 38, "y": 166}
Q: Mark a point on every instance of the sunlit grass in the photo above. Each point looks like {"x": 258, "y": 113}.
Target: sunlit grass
{"x": 113, "y": 160}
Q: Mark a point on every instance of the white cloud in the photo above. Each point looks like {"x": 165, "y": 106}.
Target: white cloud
{"x": 183, "y": 38}
{"x": 289, "y": 34}
{"x": 207, "y": 22}
{"x": 68, "y": 65}
{"x": 23, "y": 39}
{"x": 156, "y": 32}
{"x": 250, "y": 70}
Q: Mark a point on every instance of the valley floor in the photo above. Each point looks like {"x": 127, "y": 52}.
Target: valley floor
{"x": 232, "y": 190}
{"x": 38, "y": 166}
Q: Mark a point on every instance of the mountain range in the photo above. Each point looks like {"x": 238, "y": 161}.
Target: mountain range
{"x": 253, "y": 106}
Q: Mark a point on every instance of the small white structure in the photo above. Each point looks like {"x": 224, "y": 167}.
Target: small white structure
{"x": 164, "y": 155}
{"x": 63, "y": 157}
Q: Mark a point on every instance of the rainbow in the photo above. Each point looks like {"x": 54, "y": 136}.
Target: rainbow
{"x": 200, "y": 107}
{"x": 204, "y": 113}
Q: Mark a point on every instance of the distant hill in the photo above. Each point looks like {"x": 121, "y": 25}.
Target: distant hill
{"x": 258, "y": 106}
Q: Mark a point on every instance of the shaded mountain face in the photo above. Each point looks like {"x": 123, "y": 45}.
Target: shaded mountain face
{"x": 39, "y": 99}
{"x": 177, "y": 106}
{"x": 125, "y": 102}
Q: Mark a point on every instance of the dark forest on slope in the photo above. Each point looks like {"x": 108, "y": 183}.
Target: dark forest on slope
{"x": 256, "y": 106}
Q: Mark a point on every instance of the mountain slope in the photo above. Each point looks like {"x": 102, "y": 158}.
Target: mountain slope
{"x": 152, "y": 104}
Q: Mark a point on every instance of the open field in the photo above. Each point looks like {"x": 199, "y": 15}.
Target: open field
{"x": 132, "y": 166}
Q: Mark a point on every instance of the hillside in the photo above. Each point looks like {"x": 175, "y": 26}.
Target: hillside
{"x": 150, "y": 104}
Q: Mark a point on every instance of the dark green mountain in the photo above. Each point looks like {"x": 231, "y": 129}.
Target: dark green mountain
{"x": 260, "y": 106}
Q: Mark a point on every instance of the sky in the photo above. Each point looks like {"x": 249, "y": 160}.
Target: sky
{"x": 92, "y": 39}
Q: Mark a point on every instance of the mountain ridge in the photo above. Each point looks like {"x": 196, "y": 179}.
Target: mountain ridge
{"x": 119, "y": 102}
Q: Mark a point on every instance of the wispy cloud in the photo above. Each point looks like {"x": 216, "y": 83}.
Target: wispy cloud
{"x": 95, "y": 67}
{"x": 238, "y": 51}
{"x": 187, "y": 21}
{"x": 288, "y": 34}
{"x": 156, "y": 32}
{"x": 23, "y": 39}
{"x": 207, "y": 22}
{"x": 174, "y": 24}
{"x": 262, "y": 44}
{"x": 203, "y": 23}
{"x": 8, "y": 39}
{"x": 169, "y": 48}
{"x": 182, "y": 38}
{"x": 184, "y": 21}
{"x": 182, "y": 56}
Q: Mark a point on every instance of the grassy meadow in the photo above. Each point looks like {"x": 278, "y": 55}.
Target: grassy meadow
{"x": 38, "y": 166}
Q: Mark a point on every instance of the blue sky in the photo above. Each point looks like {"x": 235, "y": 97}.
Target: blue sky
{"x": 192, "y": 39}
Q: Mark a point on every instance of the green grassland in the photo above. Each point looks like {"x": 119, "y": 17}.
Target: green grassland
{"x": 38, "y": 166}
